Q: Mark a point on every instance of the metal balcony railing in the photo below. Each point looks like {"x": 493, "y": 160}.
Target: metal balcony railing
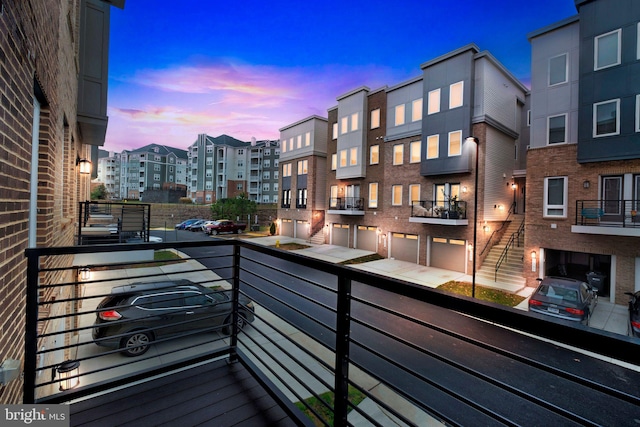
{"x": 346, "y": 203}
{"x": 321, "y": 327}
{"x": 608, "y": 213}
{"x": 439, "y": 209}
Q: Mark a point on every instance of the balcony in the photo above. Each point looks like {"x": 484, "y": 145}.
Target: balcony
{"x": 440, "y": 213}
{"x": 607, "y": 217}
{"x": 346, "y": 206}
{"x": 113, "y": 222}
{"x": 419, "y": 355}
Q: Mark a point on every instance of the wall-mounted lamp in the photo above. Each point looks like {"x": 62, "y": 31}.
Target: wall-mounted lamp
{"x": 486, "y": 228}
{"x": 586, "y": 184}
{"x": 464, "y": 188}
{"x": 68, "y": 372}
{"x": 84, "y": 166}
{"x": 513, "y": 185}
{"x": 533, "y": 260}
{"x": 85, "y": 274}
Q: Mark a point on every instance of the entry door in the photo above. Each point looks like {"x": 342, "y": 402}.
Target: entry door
{"x": 353, "y": 196}
{"x": 612, "y": 198}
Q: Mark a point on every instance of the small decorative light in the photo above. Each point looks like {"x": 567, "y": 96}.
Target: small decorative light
{"x": 84, "y": 166}
{"x": 464, "y": 189}
{"x": 586, "y": 184}
{"x": 85, "y": 274}
{"x": 68, "y": 372}
{"x": 513, "y": 185}
{"x": 533, "y": 255}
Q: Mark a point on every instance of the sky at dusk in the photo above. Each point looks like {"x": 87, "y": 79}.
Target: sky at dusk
{"x": 247, "y": 69}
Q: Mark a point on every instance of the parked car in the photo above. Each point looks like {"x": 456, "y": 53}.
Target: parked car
{"x": 565, "y": 298}
{"x": 225, "y": 226}
{"x": 195, "y": 226}
{"x": 135, "y": 315}
{"x": 184, "y": 223}
{"x": 634, "y": 313}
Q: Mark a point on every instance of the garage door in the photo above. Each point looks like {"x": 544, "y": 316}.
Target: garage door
{"x": 448, "y": 254}
{"x": 302, "y": 229}
{"x": 340, "y": 235}
{"x": 286, "y": 228}
{"x": 366, "y": 238}
{"x": 404, "y": 247}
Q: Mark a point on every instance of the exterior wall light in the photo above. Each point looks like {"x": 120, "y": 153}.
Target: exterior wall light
{"x": 534, "y": 258}
{"x": 68, "y": 372}
{"x": 84, "y": 166}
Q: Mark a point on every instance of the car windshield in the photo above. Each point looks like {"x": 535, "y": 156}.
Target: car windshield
{"x": 559, "y": 293}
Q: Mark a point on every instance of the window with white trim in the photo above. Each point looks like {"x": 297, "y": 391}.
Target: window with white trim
{"x": 455, "y": 143}
{"x": 353, "y": 156}
{"x": 355, "y": 121}
{"x": 607, "y": 50}
{"x": 434, "y": 102}
{"x": 373, "y": 194}
{"x": 414, "y": 193}
{"x": 456, "y": 92}
{"x": 375, "y": 118}
{"x": 398, "y": 153}
{"x": 303, "y": 167}
{"x": 396, "y": 195}
{"x": 286, "y": 169}
{"x": 555, "y": 197}
{"x": 343, "y": 158}
{"x": 558, "y": 69}
{"x": 374, "y": 155}
{"x": 414, "y": 151}
{"x": 399, "y": 115}
{"x": 433, "y": 146}
{"x": 606, "y": 118}
{"x": 557, "y": 129}
{"x": 416, "y": 110}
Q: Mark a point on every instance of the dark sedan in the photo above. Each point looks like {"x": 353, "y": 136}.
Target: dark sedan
{"x": 564, "y": 298}
{"x": 634, "y": 313}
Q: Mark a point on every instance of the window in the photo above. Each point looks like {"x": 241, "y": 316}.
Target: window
{"x": 303, "y": 167}
{"x": 637, "y": 113}
{"x": 353, "y": 156}
{"x": 286, "y": 169}
{"x": 240, "y": 175}
{"x": 374, "y": 155}
{"x": 373, "y": 194}
{"x": 335, "y": 131}
{"x": 555, "y": 197}
{"x": 290, "y": 144}
{"x": 398, "y": 152}
{"x": 606, "y": 118}
{"x": 267, "y": 163}
{"x": 241, "y": 152}
{"x": 399, "y": 112}
{"x": 343, "y": 158}
{"x": 557, "y": 126}
{"x": 266, "y": 175}
{"x": 284, "y": 147}
{"x": 354, "y": 121}
{"x": 156, "y": 168}
{"x": 156, "y": 177}
{"x": 333, "y": 200}
{"x": 307, "y": 139}
{"x": 414, "y": 151}
{"x": 396, "y": 195}
{"x": 416, "y": 110}
{"x": 275, "y": 186}
{"x": 434, "y": 102}
{"x": 299, "y": 141}
{"x": 558, "y": 69}
{"x": 334, "y": 161}
{"x": 344, "y": 125}
{"x": 607, "y": 50}
{"x": 286, "y": 198}
{"x": 239, "y": 187}
{"x": 456, "y": 91}
{"x": 433, "y": 142}
{"x": 375, "y": 118}
{"x": 414, "y": 193}
{"x": 455, "y": 143}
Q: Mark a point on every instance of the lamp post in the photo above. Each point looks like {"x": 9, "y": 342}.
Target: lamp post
{"x": 475, "y": 216}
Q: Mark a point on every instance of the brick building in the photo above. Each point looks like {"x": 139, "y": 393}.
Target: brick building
{"x": 53, "y": 90}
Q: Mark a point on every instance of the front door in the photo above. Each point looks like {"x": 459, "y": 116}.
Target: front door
{"x": 612, "y": 198}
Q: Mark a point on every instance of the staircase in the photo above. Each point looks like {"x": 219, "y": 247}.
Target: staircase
{"x": 318, "y": 238}
{"x": 510, "y": 273}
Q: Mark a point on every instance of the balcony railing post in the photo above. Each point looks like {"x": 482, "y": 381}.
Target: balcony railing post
{"x": 235, "y": 298}
{"x": 31, "y": 333}
{"x": 343, "y": 321}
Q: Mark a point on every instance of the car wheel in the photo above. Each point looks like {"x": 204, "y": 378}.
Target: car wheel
{"x": 241, "y": 322}
{"x": 136, "y": 344}
{"x": 214, "y": 232}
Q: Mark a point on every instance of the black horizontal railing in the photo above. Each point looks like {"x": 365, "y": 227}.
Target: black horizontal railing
{"x": 455, "y": 209}
{"x": 608, "y": 213}
{"x": 319, "y": 327}
{"x": 346, "y": 203}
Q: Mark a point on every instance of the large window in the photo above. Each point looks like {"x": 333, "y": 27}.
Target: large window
{"x": 607, "y": 50}
{"x": 557, "y": 126}
{"x": 414, "y": 193}
{"x": 334, "y": 161}
{"x": 606, "y": 118}
{"x": 433, "y": 142}
{"x": 416, "y": 110}
{"x": 286, "y": 169}
{"x": 558, "y": 69}
{"x": 343, "y": 158}
{"x": 303, "y": 167}
{"x": 354, "y": 122}
{"x": 414, "y": 152}
{"x": 307, "y": 139}
{"x": 456, "y": 92}
{"x": 455, "y": 143}
{"x": 344, "y": 125}
{"x": 353, "y": 156}
{"x": 434, "y": 102}
{"x": 375, "y": 118}
{"x": 398, "y": 153}
{"x": 334, "y": 133}
{"x": 555, "y": 197}
{"x": 399, "y": 115}
{"x": 333, "y": 201}
{"x": 374, "y": 155}
{"x": 299, "y": 142}
{"x": 396, "y": 195}
{"x": 373, "y": 194}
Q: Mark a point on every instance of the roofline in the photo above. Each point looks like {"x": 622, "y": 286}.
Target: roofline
{"x": 505, "y": 71}
{"x": 302, "y": 121}
{"x": 405, "y": 83}
{"x": 568, "y": 21}
{"x": 354, "y": 91}
{"x": 471, "y": 46}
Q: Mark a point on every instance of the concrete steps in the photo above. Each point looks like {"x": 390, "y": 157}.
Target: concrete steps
{"x": 317, "y": 239}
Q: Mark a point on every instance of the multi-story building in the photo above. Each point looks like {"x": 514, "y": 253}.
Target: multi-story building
{"x": 401, "y": 174}
{"x": 583, "y": 166}
{"x": 108, "y": 173}
{"x": 224, "y": 167}
{"x": 152, "y": 167}
{"x": 303, "y": 161}
{"x": 53, "y": 117}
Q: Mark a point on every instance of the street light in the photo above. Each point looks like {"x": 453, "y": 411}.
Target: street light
{"x": 475, "y": 215}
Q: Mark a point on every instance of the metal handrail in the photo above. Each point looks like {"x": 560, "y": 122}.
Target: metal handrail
{"x": 505, "y": 252}
{"x": 494, "y": 233}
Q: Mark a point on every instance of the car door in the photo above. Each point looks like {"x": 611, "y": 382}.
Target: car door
{"x": 205, "y": 311}
{"x": 164, "y": 312}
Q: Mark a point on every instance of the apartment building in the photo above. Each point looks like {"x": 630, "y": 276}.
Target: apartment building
{"x": 583, "y": 171}
{"x": 152, "y": 167}
{"x": 303, "y": 164}
{"x": 53, "y": 117}
{"x": 108, "y": 173}
{"x": 222, "y": 167}
{"x": 401, "y": 169}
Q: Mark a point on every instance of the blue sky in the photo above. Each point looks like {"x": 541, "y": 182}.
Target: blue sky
{"x": 247, "y": 69}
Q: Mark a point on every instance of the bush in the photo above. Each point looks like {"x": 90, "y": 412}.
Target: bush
{"x": 272, "y": 228}
{"x": 186, "y": 200}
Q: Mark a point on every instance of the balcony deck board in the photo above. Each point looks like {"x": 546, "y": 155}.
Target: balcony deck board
{"x": 216, "y": 393}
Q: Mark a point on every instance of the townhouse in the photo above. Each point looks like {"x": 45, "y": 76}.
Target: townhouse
{"x": 583, "y": 171}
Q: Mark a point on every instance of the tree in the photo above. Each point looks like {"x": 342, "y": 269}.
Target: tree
{"x": 99, "y": 193}
{"x": 239, "y": 206}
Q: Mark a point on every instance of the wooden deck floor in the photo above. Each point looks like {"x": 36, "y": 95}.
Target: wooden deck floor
{"x": 215, "y": 394}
